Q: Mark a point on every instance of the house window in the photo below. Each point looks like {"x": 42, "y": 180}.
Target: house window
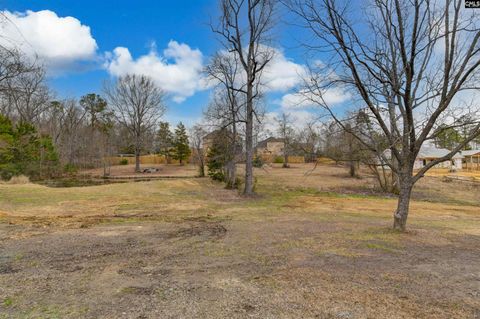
{"x": 424, "y": 162}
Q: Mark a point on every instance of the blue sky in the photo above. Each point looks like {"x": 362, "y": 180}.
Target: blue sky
{"x": 137, "y": 27}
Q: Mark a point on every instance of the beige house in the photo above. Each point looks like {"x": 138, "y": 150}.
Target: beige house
{"x": 471, "y": 159}
{"x": 207, "y": 140}
{"x": 270, "y": 147}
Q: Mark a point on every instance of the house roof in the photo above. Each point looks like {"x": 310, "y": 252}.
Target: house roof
{"x": 433, "y": 152}
{"x": 269, "y": 140}
{"x": 212, "y": 134}
{"x": 470, "y": 152}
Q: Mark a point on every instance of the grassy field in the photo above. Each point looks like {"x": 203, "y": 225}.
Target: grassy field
{"x": 314, "y": 245}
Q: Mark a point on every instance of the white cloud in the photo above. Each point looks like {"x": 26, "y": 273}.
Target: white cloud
{"x": 282, "y": 74}
{"x": 60, "y": 42}
{"x": 178, "y": 71}
{"x": 305, "y": 99}
{"x": 298, "y": 117}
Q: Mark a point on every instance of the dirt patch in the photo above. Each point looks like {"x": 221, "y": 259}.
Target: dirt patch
{"x": 208, "y": 230}
{"x": 191, "y": 249}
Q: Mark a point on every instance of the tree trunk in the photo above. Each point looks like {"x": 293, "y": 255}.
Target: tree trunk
{"x": 137, "y": 161}
{"x": 201, "y": 167}
{"x": 231, "y": 174}
{"x": 249, "y": 142}
{"x": 401, "y": 214}
{"x": 285, "y": 160}
{"x": 233, "y": 163}
{"x": 353, "y": 169}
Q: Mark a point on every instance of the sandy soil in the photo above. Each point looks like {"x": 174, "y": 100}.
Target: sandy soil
{"x": 315, "y": 248}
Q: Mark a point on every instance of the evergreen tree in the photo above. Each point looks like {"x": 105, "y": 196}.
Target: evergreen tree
{"x": 95, "y": 106}
{"x": 165, "y": 141}
{"x": 182, "y": 149}
{"x": 217, "y": 158}
{"x": 216, "y": 163}
{"x": 448, "y": 137}
{"x": 23, "y": 151}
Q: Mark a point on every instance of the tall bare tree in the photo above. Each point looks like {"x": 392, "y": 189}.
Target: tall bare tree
{"x": 245, "y": 28}
{"x": 197, "y": 132}
{"x": 226, "y": 110}
{"x": 286, "y": 131}
{"x": 409, "y": 62}
{"x": 12, "y": 64}
{"x": 137, "y": 104}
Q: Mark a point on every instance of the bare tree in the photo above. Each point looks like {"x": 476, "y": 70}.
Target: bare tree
{"x": 287, "y": 133}
{"x": 71, "y": 118}
{"x": 308, "y": 140}
{"x": 227, "y": 108}
{"x": 12, "y": 64}
{"x": 244, "y": 28}
{"x": 27, "y": 94}
{"x": 197, "y": 132}
{"x": 410, "y": 63}
{"x": 137, "y": 104}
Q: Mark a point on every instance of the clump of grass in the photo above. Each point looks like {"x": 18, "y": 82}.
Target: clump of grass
{"x": 382, "y": 247}
{"x": 7, "y": 302}
{"x": 19, "y": 180}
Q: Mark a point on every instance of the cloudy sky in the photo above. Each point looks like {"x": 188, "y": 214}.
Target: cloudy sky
{"x": 84, "y": 43}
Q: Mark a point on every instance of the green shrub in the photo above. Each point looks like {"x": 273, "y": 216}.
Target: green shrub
{"x": 70, "y": 169}
{"x": 258, "y": 162}
{"x": 24, "y": 151}
{"x": 124, "y": 161}
{"x": 278, "y": 160}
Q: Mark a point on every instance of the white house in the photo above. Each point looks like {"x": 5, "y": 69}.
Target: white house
{"x": 430, "y": 153}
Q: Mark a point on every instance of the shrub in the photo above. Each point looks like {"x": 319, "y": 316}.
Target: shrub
{"x": 124, "y": 161}
{"x": 24, "y": 151}
{"x": 258, "y": 162}
{"x": 278, "y": 160}
{"x": 70, "y": 169}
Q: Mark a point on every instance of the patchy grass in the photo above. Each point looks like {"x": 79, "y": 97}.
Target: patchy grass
{"x": 317, "y": 245}
{"x": 7, "y": 302}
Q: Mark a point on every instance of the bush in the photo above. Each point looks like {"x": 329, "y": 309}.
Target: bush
{"x": 258, "y": 162}
{"x": 70, "y": 169}
{"x": 278, "y": 160}
{"x": 123, "y": 161}
{"x": 24, "y": 151}
{"x": 216, "y": 161}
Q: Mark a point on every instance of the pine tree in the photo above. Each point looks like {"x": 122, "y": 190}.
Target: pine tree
{"x": 95, "y": 106}
{"x": 182, "y": 148}
{"x": 216, "y": 162}
{"x": 165, "y": 141}
{"x": 24, "y": 151}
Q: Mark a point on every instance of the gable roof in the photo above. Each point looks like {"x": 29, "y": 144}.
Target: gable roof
{"x": 470, "y": 152}
{"x": 271, "y": 139}
{"x": 212, "y": 134}
{"x": 433, "y": 152}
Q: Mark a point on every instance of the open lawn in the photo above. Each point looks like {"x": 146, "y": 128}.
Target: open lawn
{"x": 314, "y": 245}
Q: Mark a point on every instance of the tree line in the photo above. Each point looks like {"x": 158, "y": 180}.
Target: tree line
{"x": 44, "y": 137}
{"x": 411, "y": 69}
{"x": 409, "y": 66}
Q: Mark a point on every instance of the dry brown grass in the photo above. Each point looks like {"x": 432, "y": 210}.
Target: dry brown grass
{"x": 307, "y": 247}
{"x": 21, "y": 179}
